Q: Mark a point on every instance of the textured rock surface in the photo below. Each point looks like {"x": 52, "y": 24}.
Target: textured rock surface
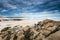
{"x": 43, "y": 30}
{"x": 54, "y": 36}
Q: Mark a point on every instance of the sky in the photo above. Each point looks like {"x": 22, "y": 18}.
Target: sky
{"x": 31, "y": 9}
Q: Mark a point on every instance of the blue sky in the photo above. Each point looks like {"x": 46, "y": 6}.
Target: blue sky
{"x": 31, "y": 9}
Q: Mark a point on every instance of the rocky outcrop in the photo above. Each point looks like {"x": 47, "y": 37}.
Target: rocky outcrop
{"x": 10, "y": 19}
{"x": 43, "y": 30}
{"x": 46, "y": 27}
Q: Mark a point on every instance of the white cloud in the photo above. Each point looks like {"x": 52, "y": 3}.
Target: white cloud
{"x": 4, "y": 10}
{"x": 10, "y": 6}
{"x": 39, "y": 16}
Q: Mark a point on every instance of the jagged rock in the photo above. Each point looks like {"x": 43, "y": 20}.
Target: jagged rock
{"x": 20, "y": 36}
{"x": 47, "y": 26}
{"x": 43, "y": 30}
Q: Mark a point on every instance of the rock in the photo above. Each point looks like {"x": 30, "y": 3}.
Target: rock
{"x": 54, "y": 36}
{"x": 47, "y": 26}
{"x": 43, "y": 30}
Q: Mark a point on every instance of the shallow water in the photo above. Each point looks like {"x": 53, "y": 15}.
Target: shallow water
{"x": 23, "y": 23}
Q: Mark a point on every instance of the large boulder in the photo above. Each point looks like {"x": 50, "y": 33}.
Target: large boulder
{"x": 46, "y": 27}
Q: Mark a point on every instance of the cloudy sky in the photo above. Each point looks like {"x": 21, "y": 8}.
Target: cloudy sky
{"x": 30, "y": 9}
